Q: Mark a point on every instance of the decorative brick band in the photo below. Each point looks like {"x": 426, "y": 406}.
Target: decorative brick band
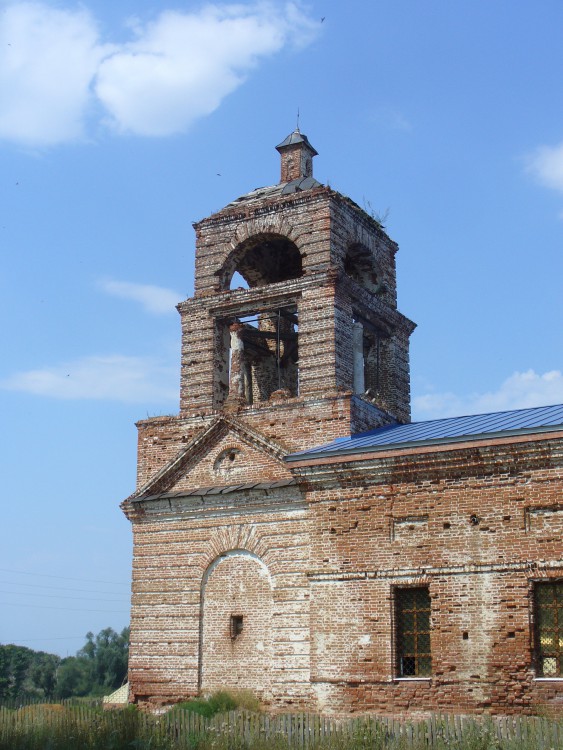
{"x": 527, "y": 566}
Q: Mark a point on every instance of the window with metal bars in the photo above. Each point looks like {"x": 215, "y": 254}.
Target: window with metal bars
{"x": 412, "y": 616}
{"x": 548, "y": 617}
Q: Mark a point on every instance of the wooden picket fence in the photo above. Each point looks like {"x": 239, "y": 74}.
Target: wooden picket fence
{"x": 300, "y": 730}
{"x": 305, "y": 730}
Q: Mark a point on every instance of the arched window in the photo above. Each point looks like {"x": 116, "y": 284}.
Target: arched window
{"x": 360, "y": 266}
{"x": 260, "y": 260}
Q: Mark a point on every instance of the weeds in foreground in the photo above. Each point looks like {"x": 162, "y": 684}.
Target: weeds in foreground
{"x": 83, "y": 728}
{"x": 218, "y": 703}
{"x": 221, "y": 702}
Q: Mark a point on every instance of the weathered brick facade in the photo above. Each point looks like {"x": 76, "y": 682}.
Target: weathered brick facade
{"x": 283, "y": 576}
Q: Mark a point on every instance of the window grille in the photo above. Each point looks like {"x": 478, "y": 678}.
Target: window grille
{"x": 548, "y": 615}
{"x": 412, "y": 609}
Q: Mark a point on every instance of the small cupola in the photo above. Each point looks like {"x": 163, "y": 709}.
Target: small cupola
{"x": 296, "y": 157}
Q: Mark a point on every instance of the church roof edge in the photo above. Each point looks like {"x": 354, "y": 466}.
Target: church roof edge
{"x": 515, "y": 422}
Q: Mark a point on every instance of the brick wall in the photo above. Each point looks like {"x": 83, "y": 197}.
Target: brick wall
{"x": 316, "y": 573}
{"x": 199, "y": 560}
{"x": 455, "y": 520}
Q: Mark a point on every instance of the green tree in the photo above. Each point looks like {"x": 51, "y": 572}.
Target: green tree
{"x": 74, "y": 678}
{"x": 42, "y": 673}
{"x": 107, "y": 654}
{"x": 25, "y": 673}
{"x": 98, "y": 668}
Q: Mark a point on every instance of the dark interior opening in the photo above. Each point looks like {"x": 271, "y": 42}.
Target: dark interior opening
{"x": 261, "y": 260}
{"x": 266, "y": 358}
{"x": 236, "y": 626}
{"x": 359, "y": 266}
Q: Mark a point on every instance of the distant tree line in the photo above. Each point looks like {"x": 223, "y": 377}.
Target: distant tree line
{"x": 97, "y": 669}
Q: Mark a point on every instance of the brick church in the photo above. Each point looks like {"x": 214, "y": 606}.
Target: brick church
{"x": 294, "y": 533}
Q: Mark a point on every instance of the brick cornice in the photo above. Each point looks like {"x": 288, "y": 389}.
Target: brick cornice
{"x": 493, "y": 455}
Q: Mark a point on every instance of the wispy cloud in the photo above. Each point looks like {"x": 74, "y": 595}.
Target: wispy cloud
{"x": 110, "y": 378}
{"x": 546, "y": 164}
{"x": 521, "y": 390}
{"x": 390, "y": 118}
{"x": 154, "y": 299}
{"x": 173, "y": 70}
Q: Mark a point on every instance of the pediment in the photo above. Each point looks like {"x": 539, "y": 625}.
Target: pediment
{"x": 226, "y": 453}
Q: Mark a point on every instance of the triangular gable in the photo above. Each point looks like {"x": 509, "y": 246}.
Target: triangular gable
{"x": 224, "y": 434}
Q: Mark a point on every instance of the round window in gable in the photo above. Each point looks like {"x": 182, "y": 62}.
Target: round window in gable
{"x": 228, "y": 462}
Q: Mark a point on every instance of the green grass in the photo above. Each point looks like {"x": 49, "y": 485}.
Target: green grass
{"x": 218, "y": 703}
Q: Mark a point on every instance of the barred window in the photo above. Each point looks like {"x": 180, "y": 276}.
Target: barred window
{"x": 548, "y": 615}
{"x": 412, "y": 610}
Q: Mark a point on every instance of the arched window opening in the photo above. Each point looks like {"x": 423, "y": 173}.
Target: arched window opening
{"x": 261, "y": 260}
{"x": 259, "y": 354}
{"x": 360, "y": 266}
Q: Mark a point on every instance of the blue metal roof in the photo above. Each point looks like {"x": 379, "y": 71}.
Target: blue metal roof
{"x": 441, "y": 431}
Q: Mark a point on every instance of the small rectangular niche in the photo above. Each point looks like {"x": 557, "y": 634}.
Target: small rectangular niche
{"x": 236, "y": 626}
{"x": 409, "y": 529}
{"x": 548, "y": 519}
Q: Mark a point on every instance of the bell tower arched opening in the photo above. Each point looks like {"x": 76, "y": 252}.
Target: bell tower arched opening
{"x": 261, "y": 260}
{"x": 360, "y": 266}
{"x": 258, "y": 356}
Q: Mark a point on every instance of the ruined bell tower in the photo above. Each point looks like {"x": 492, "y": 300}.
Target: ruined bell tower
{"x": 313, "y": 314}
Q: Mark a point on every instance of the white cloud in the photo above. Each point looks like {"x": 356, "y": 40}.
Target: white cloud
{"x": 110, "y": 378}
{"x": 520, "y": 391}
{"x": 546, "y": 164}
{"x": 55, "y": 70}
{"x": 48, "y": 58}
{"x": 181, "y": 66}
{"x": 154, "y": 299}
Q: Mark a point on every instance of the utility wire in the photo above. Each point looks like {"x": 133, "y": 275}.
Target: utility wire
{"x": 56, "y": 588}
{"x": 63, "y": 578}
{"x": 63, "y": 609}
{"x": 61, "y": 596}
{"x": 58, "y": 638}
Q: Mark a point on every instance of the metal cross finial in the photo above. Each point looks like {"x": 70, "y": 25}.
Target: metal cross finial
{"x": 297, "y": 128}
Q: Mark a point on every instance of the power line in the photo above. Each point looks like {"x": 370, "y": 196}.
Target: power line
{"x": 61, "y": 596}
{"x": 55, "y": 588}
{"x": 64, "y": 609}
{"x": 63, "y": 578}
{"x": 58, "y": 638}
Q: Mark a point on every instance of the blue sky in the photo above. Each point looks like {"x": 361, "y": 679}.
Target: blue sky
{"x": 123, "y": 123}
